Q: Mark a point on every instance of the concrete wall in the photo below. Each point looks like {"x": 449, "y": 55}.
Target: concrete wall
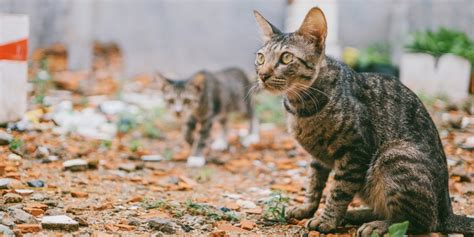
{"x": 182, "y": 36}
{"x": 177, "y": 37}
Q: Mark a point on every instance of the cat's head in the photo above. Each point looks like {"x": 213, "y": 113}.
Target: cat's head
{"x": 182, "y": 96}
{"x": 291, "y": 61}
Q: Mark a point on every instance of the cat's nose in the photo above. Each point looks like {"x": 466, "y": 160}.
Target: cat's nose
{"x": 264, "y": 76}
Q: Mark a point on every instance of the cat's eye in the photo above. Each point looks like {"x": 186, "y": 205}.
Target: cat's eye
{"x": 286, "y": 58}
{"x": 186, "y": 101}
{"x": 171, "y": 101}
{"x": 260, "y": 59}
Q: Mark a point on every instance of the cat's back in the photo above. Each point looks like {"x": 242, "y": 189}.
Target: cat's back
{"x": 232, "y": 77}
{"x": 396, "y": 112}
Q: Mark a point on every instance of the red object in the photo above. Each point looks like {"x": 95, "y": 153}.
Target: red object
{"x": 17, "y": 50}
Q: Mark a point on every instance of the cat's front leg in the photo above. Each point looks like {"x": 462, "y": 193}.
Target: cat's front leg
{"x": 317, "y": 178}
{"x": 349, "y": 176}
{"x": 189, "y": 130}
{"x": 197, "y": 158}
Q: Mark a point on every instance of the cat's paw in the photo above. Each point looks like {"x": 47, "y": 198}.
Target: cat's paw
{"x": 196, "y": 161}
{"x": 300, "y": 212}
{"x": 379, "y": 227}
{"x": 321, "y": 225}
{"x": 250, "y": 139}
{"x": 219, "y": 144}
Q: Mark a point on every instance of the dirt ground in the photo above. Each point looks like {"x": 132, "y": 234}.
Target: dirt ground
{"x": 114, "y": 163}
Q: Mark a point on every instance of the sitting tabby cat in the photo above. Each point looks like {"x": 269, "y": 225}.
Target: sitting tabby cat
{"x": 369, "y": 129}
{"x": 205, "y": 98}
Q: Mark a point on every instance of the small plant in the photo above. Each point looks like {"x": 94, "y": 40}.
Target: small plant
{"x": 135, "y": 145}
{"x": 194, "y": 208}
{"x": 395, "y": 230}
{"x": 158, "y": 204}
{"x": 126, "y": 122}
{"x": 41, "y": 82}
{"x": 442, "y": 42}
{"x": 168, "y": 154}
{"x": 105, "y": 144}
{"x": 150, "y": 130}
{"x": 16, "y": 144}
{"x": 375, "y": 58}
{"x": 204, "y": 174}
{"x": 275, "y": 206}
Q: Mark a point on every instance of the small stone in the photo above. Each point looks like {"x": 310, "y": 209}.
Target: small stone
{"x": 14, "y": 157}
{"x": 247, "y": 224}
{"x": 229, "y": 228}
{"x": 6, "y": 219}
{"x": 112, "y": 107}
{"x": 165, "y": 226}
{"x": 81, "y": 220}
{"x": 78, "y": 194}
{"x": 12, "y": 198}
{"x": 36, "y": 183}
{"x": 6, "y": 183}
{"x": 60, "y": 222}
{"x": 468, "y": 144}
{"x": 50, "y": 159}
{"x": 38, "y": 197}
{"x": 152, "y": 158}
{"x": 34, "y": 211}
{"x": 233, "y": 206}
{"x": 75, "y": 165}
{"x": 20, "y": 217}
{"x": 41, "y": 152}
{"x": 5, "y": 231}
{"x": 314, "y": 234}
{"x": 24, "y": 192}
{"x": 29, "y": 228}
{"x": 246, "y": 204}
{"x": 5, "y": 138}
{"x": 225, "y": 209}
{"x": 129, "y": 167}
{"x": 135, "y": 199}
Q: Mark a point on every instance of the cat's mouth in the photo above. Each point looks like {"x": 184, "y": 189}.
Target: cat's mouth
{"x": 273, "y": 87}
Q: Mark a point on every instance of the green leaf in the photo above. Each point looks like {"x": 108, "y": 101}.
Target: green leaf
{"x": 398, "y": 230}
{"x": 374, "y": 234}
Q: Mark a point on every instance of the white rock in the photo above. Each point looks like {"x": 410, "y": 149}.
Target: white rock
{"x": 152, "y": 158}
{"x": 61, "y": 222}
{"x": 24, "y": 192}
{"x": 5, "y": 138}
{"x": 196, "y": 161}
{"x": 14, "y": 157}
{"x": 232, "y": 196}
{"x": 246, "y": 204}
{"x": 219, "y": 144}
{"x": 112, "y": 107}
{"x": 75, "y": 164}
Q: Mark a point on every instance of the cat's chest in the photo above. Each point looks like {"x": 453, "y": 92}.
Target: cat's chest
{"x": 316, "y": 135}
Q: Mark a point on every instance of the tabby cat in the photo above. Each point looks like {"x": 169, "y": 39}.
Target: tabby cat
{"x": 207, "y": 97}
{"x": 369, "y": 129}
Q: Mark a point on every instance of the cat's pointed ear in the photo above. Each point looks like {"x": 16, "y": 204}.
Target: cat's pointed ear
{"x": 198, "y": 81}
{"x": 314, "y": 25}
{"x": 162, "y": 80}
{"x": 268, "y": 30}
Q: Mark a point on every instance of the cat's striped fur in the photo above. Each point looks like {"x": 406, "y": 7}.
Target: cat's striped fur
{"x": 369, "y": 129}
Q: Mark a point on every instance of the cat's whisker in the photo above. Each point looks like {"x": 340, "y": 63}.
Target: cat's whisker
{"x": 251, "y": 91}
{"x": 308, "y": 94}
{"x": 312, "y": 88}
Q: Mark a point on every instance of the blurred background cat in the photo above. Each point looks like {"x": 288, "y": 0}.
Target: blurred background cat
{"x": 207, "y": 97}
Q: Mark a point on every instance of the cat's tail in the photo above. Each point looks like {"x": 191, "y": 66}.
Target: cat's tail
{"x": 459, "y": 224}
